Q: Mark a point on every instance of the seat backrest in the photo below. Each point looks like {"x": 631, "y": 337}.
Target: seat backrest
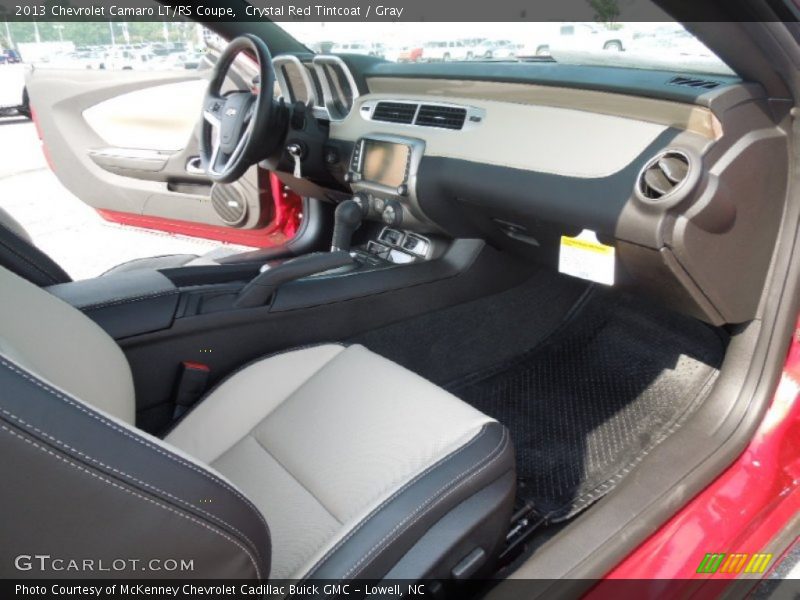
{"x": 80, "y": 481}
{"x": 19, "y": 255}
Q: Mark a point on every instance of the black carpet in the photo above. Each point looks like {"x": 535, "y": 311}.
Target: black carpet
{"x": 586, "y": 405}
{"x": 588, "y": 380}
{"x": 449, "y": 344}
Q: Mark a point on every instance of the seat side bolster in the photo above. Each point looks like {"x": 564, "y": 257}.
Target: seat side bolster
{"x": 19, "y": 255}
{"x": 115, "y": 483}
{"x": 369, "y": 548}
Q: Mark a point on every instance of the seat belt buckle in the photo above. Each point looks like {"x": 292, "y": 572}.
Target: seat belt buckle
{"x": 191, "y": 385}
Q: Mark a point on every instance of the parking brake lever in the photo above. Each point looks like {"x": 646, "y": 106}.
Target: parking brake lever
{"x": 263, "y": 286}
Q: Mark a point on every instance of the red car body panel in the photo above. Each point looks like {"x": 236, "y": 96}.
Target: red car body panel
{"x": 742, "y": 511}
{"x": 276, "y": 199}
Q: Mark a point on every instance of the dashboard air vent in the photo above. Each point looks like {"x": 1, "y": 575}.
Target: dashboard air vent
{"x": 447, "y": 117}
{"x": 394, "y": 112}
{"x": 663, "y": 175}
{"x": 695, "y": 82}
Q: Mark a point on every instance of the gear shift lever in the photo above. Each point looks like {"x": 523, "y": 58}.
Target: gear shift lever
{"x": 347, "y": 219}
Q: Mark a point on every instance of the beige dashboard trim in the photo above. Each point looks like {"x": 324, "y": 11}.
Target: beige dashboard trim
{"x": 697, "y": 119}
{"x": 545, "y": 139}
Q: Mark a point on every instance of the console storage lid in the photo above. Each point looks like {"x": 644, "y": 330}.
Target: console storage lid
{"x": 124, "y": 304}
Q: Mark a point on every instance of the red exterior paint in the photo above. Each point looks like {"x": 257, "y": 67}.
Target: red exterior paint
{"x": 288, "y": 205}
{"x": 741, "y": 511}
{"x": 286, "y": 211}
{"x": 196, "y": 366}
{"x": 45, "y": 151}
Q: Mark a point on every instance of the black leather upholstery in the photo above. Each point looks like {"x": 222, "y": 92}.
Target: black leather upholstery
{"x": 94, "y": 487}
{"x": 123, "y": 303}
{"x": 26, "y": 260}
{"x": 168, "y": 261}
{"x": 20, "y": 255}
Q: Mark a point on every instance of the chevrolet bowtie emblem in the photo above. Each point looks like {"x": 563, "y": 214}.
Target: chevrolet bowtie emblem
{"x": 231, "y": 112}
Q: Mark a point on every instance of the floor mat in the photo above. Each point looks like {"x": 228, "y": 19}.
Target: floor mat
{"x": 589, "y": 402}
{"x": 454, "y": 342}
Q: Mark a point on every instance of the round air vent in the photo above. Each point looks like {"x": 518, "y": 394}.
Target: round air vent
{"x": 229, "y": 204}
{"x": 667, "y": 177}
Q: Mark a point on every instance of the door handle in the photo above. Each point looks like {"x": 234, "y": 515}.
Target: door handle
{"x": 194, "y": 166}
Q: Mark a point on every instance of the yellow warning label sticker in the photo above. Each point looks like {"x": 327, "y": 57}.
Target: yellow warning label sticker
{"x": 586, "y": 257}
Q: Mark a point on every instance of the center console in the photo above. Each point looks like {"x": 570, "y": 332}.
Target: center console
{"x": 383, "y": 176}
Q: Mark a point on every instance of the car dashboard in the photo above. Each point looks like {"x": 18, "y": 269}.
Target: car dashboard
{"x": 664, "y": 168}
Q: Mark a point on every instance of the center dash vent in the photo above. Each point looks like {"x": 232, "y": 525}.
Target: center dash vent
{"x": 663, "y": 175}
{"x": 695, "y": 82}
{"x": 447, "y": 117}
{"x": 394, "y": 112}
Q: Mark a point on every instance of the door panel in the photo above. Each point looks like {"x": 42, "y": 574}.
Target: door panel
{"x": 125, "y": 143}
{"x": 162, "y": 117}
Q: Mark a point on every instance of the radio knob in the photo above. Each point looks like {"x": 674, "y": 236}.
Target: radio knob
{"x": 363, "y": 202}
{"x": 392, "y": 214}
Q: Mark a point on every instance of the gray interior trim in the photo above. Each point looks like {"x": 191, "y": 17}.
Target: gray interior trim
{"x": 380, "y": 540}
{"x": 634, "y": 82}
{"x": 684, "y": 464}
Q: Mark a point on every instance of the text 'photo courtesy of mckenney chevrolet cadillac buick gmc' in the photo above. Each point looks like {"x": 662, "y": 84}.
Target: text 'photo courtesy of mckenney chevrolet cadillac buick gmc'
{"x": 424, "y": 300}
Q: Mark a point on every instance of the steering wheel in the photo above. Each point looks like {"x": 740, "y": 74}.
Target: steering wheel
{"x": 238, "y": 128}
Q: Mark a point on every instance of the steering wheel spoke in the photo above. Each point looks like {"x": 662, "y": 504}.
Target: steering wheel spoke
{"x": 212, "y": 109}
{"x": 235, "y": 127}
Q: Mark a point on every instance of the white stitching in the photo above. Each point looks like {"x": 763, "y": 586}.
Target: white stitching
{"x": 118, "y": 301}
{"x": 502, "y": 444}
{"x": 143, "y": 442}
{"x": 380, "y": 507}
{"x": 116, "y": 485}
{"x": 132, "y": 478}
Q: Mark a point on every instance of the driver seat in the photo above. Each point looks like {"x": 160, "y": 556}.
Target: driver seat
{"x": 20, "y": 255}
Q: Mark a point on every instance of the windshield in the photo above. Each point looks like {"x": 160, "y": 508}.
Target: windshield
{"x": 636, "y": 45}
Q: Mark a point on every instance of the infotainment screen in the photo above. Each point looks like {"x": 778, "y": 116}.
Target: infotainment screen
{"x": 384, "y": 162}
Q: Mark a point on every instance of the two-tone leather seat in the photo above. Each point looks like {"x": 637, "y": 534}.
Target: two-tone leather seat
{"x": 328, "y": 462}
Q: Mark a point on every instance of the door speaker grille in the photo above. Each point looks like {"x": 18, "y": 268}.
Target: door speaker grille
{"x": 229, "y": 204}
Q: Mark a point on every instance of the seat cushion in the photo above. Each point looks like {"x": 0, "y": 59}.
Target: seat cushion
{"x": 350, "y": 457}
